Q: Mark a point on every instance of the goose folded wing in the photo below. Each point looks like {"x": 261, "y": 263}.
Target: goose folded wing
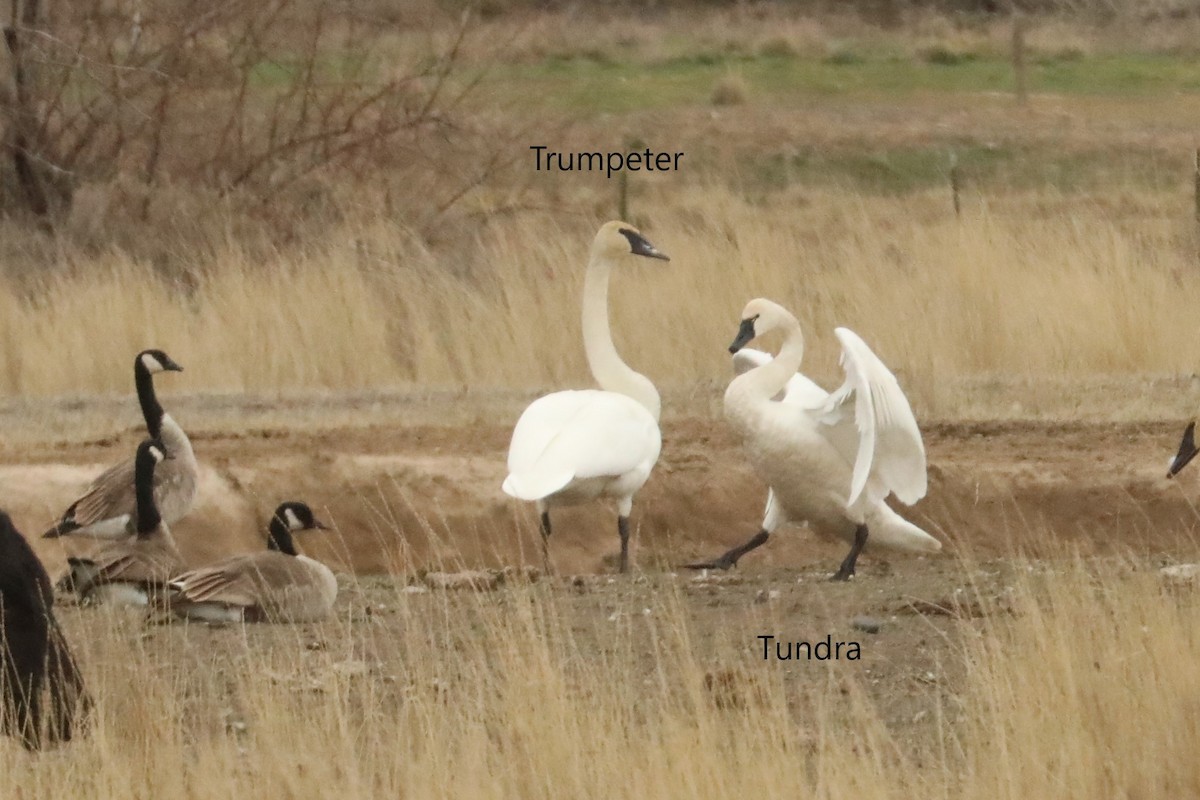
{"x": 237, "y": 582}
{"x": 133, "y": 565}
{"x": 110, "y": 495}
{"x": 871, "y": 423}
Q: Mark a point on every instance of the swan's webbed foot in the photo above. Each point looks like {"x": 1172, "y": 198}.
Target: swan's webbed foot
{"x": 730, "y": 559}
{"x": 846, "y": 570}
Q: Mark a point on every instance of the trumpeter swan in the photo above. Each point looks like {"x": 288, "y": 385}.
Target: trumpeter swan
{"x": 574, "y": 446}
{"x": 829, "y": 459}
{"x": 105, "y": 510}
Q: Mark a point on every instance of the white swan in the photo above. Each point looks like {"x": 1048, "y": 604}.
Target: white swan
{"x": 574, "y": 446}
{"x": 829, "y": 459}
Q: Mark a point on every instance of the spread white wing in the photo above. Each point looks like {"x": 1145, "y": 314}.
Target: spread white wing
{"x": 578, "y": 434}
{"x": 872, "y": 425}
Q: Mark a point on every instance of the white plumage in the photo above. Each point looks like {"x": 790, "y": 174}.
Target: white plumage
{"x": 830, "y": 460}
{"x": 574, "y": 446}
{"x": 579, "y": 444}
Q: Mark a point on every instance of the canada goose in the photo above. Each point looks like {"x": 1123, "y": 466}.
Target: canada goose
{"x": 277, "y": 585}
{"x": 105, "y": 509}
{"x": 829, "y": 459}
{"x": 133, "y": 572}
{"x": 1187, "y": 451}
{"x": 34, "y": 652}
{"x": 574, "y": 446}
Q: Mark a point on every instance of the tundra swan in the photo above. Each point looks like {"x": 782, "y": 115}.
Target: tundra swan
{"x": 574, "y": 446}
{"x": 829, "y": 459}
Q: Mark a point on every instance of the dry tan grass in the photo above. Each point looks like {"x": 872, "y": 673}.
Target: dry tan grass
{"x": 1039, "y": 286}
{"x": 1087, "y": 691}
{"x": 1091, "y": 693}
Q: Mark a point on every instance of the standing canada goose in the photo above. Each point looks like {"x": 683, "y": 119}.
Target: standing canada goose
{"x": 133, "y": 572}
{"x": 829, "y": 459}
{"x": 105, "y": 510}
{"x": 571, "y": 447}
{"x": 277, "y": 585}
{"x": 1187, "y": 451}
{"x": 34, "y": 652}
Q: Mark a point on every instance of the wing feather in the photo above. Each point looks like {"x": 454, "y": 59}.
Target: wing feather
{"x": 578, "y": 434}
{"x": 872, "y": 424}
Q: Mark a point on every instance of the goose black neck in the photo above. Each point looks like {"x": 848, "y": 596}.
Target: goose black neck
{"x": 151, "y": 409}
{"x": 148, "y": 518}
{"x": 279, "y": 538}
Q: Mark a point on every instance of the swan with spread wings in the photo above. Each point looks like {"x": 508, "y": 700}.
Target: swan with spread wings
{"x": 830, "y": 460}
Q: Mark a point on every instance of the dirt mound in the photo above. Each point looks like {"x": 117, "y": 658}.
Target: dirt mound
{"x": 406, "y": 498}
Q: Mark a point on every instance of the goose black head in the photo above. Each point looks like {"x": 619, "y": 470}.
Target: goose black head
{"x": 154, "y": 361}
{"x": 297, "y": 516}
{"x": 151, "y": 452}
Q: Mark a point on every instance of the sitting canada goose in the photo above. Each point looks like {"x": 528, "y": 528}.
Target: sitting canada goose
{"x": 133, "y": 572}
{"x": 105, "y": 510}
{"x": 1187, "y": 451}
{"x": 829, "y": 460}
{"x": 34, "y": 653}
{"x": 277, "y": 585}
{"x": 575, "y": 446}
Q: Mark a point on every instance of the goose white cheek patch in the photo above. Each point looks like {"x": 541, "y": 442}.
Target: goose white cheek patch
{"x": 293, "y": 521}
{"x": 151, "y": 363}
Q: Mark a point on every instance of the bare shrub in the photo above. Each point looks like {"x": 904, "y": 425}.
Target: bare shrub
{"x": 251, "y": 101}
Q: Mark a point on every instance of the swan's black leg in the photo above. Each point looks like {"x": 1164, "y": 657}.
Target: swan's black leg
{"x": 546, "y": 541}
{"x": 623, "y": 532}
{"x": 730, "y": 558}
{"x": 846, "y": 570}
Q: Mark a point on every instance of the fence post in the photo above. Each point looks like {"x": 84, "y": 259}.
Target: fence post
{"x": 1196, "y": 185}
{"x": 1020, "y": 68}
{"x": 955, "y": 184}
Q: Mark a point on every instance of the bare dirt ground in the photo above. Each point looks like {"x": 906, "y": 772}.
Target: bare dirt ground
{"x": 407, "y": 496}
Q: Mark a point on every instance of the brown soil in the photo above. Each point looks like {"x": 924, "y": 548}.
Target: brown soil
{"x": 409, "y": 497}
{"x": 405, "y": 497}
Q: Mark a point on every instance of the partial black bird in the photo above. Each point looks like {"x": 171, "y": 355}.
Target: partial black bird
{"x": 35, "y": 660}
{"x": 1187, "y": 451}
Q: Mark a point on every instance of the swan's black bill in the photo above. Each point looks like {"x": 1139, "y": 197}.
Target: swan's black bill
{"x": 745, "y": 335}
{"x": 1187, "y": 451}
{"x": 640, "y": 246}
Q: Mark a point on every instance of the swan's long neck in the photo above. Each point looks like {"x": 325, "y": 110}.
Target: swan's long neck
{"x": 152, "y": 410}
{"x": 613, "y": 374}
{"x": 763, "y": 383}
